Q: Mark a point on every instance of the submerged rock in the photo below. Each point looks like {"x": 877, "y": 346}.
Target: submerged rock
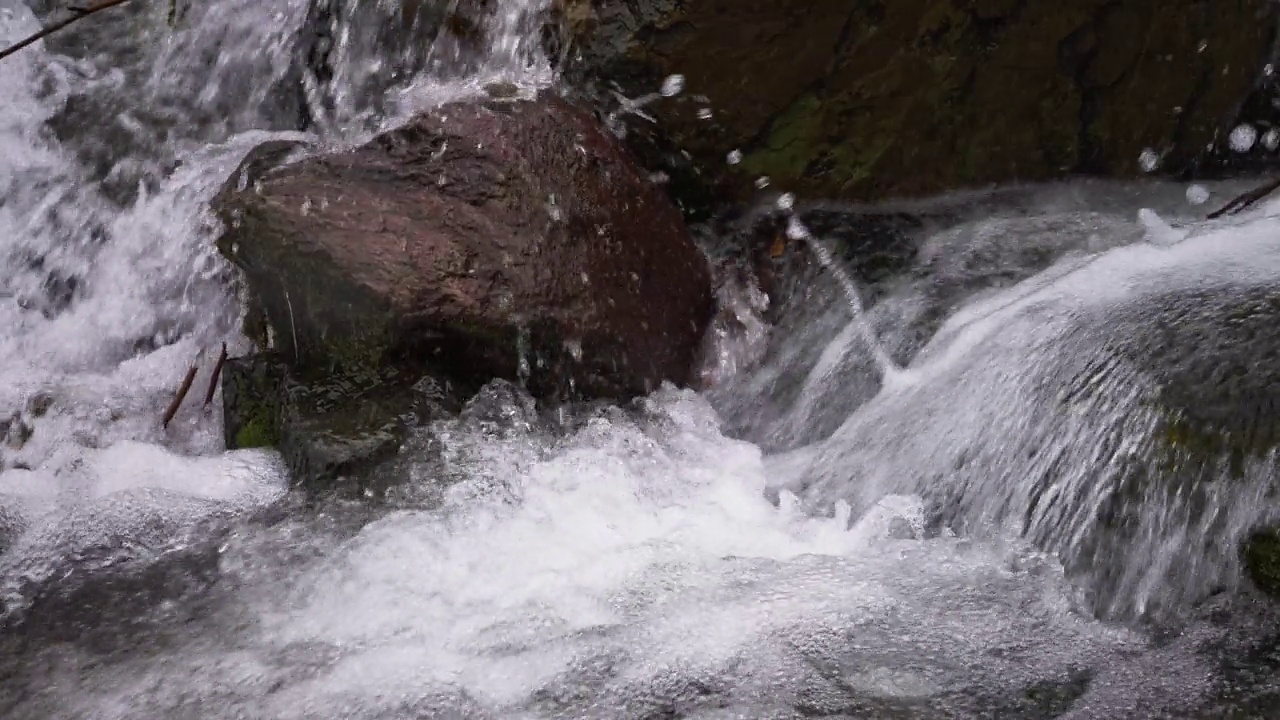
{"x": 872, "y": 99}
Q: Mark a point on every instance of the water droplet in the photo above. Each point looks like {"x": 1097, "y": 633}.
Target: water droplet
{"x": 734, "y": 157}
{"x": 673, "y": 85}
{"x": 796, "y": 229}
{"x": 1197, "y": 194}
{"x": 762, "y": 182}
{"x": 1271, "y": 140}
{"x": 1243, "y": 138}
{"x": 705, "y": 114}
{"x": 1149, "y": 160}
{"x": 786, "y": 201}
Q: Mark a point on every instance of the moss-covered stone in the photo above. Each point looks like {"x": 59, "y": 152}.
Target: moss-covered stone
{"x": 334, "y": 431}
{"x": 871, "y": 99}
{"x": 251, "y": 397}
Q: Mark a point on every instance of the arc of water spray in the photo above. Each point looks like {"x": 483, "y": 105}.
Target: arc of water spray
{"x": 890, "y": 373}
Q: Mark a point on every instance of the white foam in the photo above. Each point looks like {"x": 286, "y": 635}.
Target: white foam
{"x": 655, "y": 547}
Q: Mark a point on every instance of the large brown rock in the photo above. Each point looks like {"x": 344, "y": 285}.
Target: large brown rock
{"x": 860, "y": 100}
{"x": 486, "y": 239}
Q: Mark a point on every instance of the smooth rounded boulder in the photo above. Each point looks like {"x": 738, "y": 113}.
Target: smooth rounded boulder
{"x": 489, "y": 238}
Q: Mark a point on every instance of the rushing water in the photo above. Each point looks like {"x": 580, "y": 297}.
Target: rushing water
{"x": 798, "y": 541}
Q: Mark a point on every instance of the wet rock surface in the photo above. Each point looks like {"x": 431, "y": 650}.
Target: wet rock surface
{"x": 1261, "y": 555}
{"x": 509, "y": 238}
{"x": 336, "y": 434}
{"x": 882, "y": 99}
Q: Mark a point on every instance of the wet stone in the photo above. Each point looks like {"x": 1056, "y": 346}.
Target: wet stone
{"x": 334, "y": 431}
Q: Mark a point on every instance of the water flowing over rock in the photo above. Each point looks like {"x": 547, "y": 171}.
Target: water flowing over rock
{"x": 1137, "y": 413}
{"x": 870, "y": 99}
{"x": 1083, "y": 399}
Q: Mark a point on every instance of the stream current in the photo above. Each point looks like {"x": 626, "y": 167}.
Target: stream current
{"x": 795, "y": 541}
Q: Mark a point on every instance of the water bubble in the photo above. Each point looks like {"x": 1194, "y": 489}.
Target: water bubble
{"x": 762, "y": 182}
{"x": 1149, "y": 160}
{"x": 734, "y": 157}
{"x": 1243, "y": 138}
{"x": 673, "y": 85}
{"x": 786, "y": 201}
{"x": 1197, "y": 194}
{"x": 1271, "y": 140}
{"x": 704, "y": 114}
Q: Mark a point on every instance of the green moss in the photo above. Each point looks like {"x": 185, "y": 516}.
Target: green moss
{"x": 258, "y": 431}
{"x": 1185, "y": 440}
{"x": 1261, "y": 555}
{"x": 793, "y": 140}
{"x": 808, "y": 139}
{"x": 251, "y": 389}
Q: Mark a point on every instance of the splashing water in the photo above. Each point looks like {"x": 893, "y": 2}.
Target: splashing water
{"x": 929, "y": 550}
{"x": 891, "y": 375}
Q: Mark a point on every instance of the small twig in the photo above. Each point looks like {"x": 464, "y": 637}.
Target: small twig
{"x": 181, "y": 394}
{"x": 213, "y": 379}
{"x": 76, "y": 13}
{"x": 1244, "y": 201}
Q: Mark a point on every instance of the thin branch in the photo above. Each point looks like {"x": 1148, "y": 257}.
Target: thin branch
{"x": 1245, "y": 200}
{"x": 213, "y": 379}
{"x": 76, "y": 14}
{"x": 181, "y": 394}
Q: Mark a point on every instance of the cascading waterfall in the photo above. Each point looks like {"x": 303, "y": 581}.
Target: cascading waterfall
{"x": 941, "y": 549}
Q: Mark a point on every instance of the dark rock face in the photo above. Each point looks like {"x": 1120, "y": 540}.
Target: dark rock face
{"x": 872, "y": 99}
{"x": 509, "y": 239}
{"x": 1261, "y": 555}
{"x": 337, "y": 432}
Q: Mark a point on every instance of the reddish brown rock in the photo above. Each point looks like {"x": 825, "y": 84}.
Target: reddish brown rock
{"x": 488, "y": 239}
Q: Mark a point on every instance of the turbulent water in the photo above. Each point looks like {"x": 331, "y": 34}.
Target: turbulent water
{"x": 799, "y": 540}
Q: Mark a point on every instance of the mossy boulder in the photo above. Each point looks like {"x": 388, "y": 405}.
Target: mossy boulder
{"x": 871, "y": 99}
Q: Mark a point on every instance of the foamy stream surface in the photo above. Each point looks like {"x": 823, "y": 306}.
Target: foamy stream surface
{"x": 623, "y": 562}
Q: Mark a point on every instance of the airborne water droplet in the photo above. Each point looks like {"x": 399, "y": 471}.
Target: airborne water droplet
{"x": 734, "y": 157}
{"x": 673, "y": 85}
{"x": 1271, "y": 140}
{"x": 1197, "y": 194}
{"x": 1243, "y": 138}
{"x": 1149, "y": 160}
